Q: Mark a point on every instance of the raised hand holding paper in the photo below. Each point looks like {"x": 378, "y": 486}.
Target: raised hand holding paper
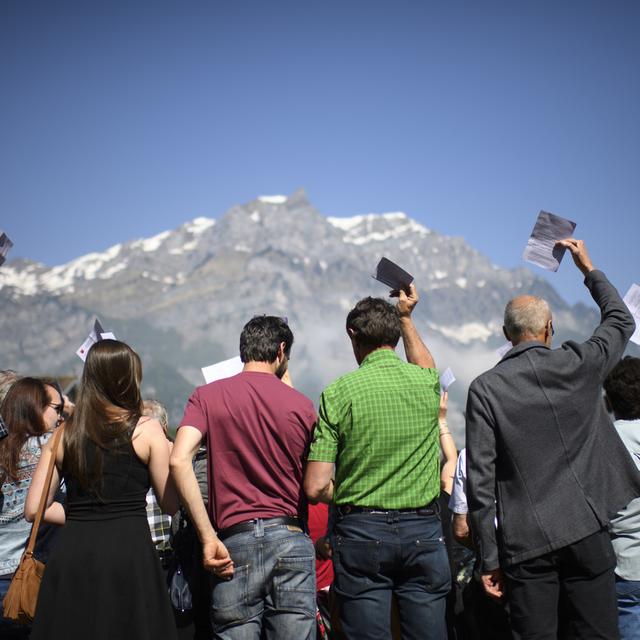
{"x": 541, "y": 248}
{"x": 632, "y": 300}
{"x": 5, "y": 245}
{"x": 224, "y": 369}
{"x": 447, "y": 379}
{"x": 392, "y": 275}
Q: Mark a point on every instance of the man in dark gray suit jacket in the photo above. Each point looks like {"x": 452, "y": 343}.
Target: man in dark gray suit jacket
{"x": 544, "y": 458}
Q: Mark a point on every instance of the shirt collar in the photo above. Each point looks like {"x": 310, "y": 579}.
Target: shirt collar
{"x": 523, "y": 346}
{"x": 380, "y": 355}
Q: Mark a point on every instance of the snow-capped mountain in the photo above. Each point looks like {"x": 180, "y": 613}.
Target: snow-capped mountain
{"x": 181, "y": 297}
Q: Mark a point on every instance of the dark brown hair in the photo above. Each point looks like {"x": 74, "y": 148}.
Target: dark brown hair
{"x": 108, "y": 408}
{"x": 22, "y": 411}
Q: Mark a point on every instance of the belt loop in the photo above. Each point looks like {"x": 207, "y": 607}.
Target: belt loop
{"x": 258, "y": 529}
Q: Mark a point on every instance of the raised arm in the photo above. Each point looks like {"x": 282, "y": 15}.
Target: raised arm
{"x": 617, "y": 325}
{"x": 414, "y": 348}
{"x": 447, "y": 446}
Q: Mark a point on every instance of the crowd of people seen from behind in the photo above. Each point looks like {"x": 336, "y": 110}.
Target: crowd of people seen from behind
{"x": 267, "y": 518}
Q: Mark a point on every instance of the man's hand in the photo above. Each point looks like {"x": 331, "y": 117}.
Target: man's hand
{"x": 494, "y": 584}
{"x": 216, "y": 558}
{"x": 407, "y": 300}
{"x": 578, "y": 253}
{"x": 323, "y": 548}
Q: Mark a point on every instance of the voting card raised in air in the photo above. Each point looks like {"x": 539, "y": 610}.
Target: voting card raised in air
{"x": 97, "y": 334}
{"x": 392, "y": 275}
{"x": 632, "y": 300}
{"x": 5, "y": 245}
{"x": 541, "y": 248}
{"x": 224, "y": 369}
{"x": 447, "y": 379}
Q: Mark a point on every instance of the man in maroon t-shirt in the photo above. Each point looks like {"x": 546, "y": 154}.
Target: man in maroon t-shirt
{"x": 257, "y": 431}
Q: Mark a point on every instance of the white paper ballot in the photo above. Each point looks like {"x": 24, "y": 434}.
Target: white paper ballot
{"x": 504, "y": 349}
{"x": 224, "y": 369}
{"x": 447, "y": 379}
{"x": 5, "y": 245}
{"x": 632, "y": 300}
{"x": 541, "y": 249}
{"x": 97, "y": 334}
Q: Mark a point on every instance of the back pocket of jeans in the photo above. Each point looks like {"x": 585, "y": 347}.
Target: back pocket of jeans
{"x": 229, "y": 597}
{"x": 294, "y": 584}
{"x": 357, "y": 556}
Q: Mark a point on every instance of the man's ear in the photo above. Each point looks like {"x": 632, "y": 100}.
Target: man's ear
{"x": 281, "y": 350}
{"x": 506, "y": 335}
{"x": 351, "y": 332}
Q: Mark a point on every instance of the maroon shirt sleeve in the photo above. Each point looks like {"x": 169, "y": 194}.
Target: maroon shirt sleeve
{"x": 194, "y": 414}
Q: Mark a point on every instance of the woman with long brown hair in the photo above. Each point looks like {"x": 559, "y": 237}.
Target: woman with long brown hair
{"x": 31, "y": 410}
{"x": 104, "y": 579}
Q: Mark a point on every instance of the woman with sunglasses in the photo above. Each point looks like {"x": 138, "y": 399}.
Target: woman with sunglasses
{"x": 104, "y": 580}
{"x": 31, "y": 410}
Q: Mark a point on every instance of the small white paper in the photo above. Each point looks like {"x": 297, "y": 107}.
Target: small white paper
{"x": 97, "y": 334}
{"x": 447, "y": 379}
{"x": 632, "y": 300}
{"x": 224, "y": 369}
{"x": 541, "y": 248}
{"x": 504, "y": 349}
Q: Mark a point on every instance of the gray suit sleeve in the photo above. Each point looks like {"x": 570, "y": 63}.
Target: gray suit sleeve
{"x": 481, "y": 479}
{"x": 609, "y": 340}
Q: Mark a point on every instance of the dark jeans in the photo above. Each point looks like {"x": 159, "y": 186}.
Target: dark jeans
{"x": 582, "y": 573}
{"x": 376, "y": 555}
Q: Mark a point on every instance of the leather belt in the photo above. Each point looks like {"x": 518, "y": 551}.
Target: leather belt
{"x": 428, "y": 510}
{"x": 249, "y": 525}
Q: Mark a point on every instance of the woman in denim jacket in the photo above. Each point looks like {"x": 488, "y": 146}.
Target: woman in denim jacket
{"x": 31, "y": 410}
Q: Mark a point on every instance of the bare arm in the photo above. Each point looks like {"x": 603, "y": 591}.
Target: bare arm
{"x": 461, "y": 531}
{"x": 448, "y": 447}
{"x": 415, "y": 350}
{"x": 151, "y": 446}
{"x": 318, "y": 481}
{"x": 54, "y": 511}
{"x": 216, "y": 557}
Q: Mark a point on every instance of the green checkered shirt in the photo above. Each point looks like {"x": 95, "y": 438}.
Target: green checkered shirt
{"x": 379, "y": 424}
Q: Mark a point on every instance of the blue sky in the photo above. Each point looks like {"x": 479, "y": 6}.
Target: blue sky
{"x": 122, "y": 119}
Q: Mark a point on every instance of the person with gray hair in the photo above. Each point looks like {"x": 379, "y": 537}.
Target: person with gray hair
{"x": 544, "y": 458}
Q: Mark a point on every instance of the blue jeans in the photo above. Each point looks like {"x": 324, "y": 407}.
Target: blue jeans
{"x": 376, "y": 556}
{"x": 628, "y": 592}
{"x": 273, "y": 590}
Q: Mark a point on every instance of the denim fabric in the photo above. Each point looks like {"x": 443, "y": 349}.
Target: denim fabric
{"x": 628, "y": 592}
{"x": 272, "y": 593}
{"x": 377, "y": 555}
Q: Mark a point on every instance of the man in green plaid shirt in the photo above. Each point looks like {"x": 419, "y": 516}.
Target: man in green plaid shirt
{"x": 379, "y": 426}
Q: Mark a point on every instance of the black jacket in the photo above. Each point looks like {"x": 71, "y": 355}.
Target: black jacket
{"x": 541, "y": 446}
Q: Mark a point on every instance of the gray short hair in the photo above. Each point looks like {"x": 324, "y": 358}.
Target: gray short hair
{"x": 155, "y": 409}
{"x": 7, "y": 378}
{"x": 526, "y": 315}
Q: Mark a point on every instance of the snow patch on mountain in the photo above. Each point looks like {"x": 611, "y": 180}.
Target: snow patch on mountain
{"x": 151, "y": 244}
{"x": 273, "y": 199}
{"x": 377, "y": 227}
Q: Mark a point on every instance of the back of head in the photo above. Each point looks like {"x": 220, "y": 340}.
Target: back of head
{"x": 108, "y": 408}
{"x": 374, "y": 323}
{"x": 7, "y": 378}
{"x": 155, "y": 409}
{"x": 526, "y": 316}
{"x": 261, "y": 338}
{"x": 622, "y": 387}
{"x": 22, "y": 411}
